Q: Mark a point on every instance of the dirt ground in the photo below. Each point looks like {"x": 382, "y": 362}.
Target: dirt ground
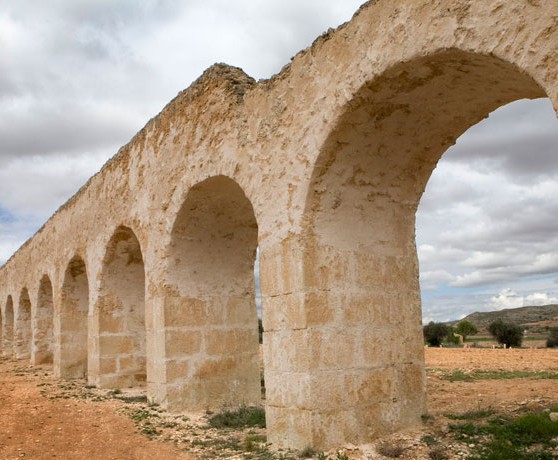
{"x": 43, "y": 418}
{"x": 446, "y": 396}
{"x": 38, "y": 424}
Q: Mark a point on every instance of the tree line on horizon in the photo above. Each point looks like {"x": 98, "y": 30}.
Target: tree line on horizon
{"x": 505, "y": 333}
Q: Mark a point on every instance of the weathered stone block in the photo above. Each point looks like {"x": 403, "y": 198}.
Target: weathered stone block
{"x": 219, "y": 342}
{"x": 182, "y": 343}
{"x": 184, "y": 311}
{"x": 116, "y": 345}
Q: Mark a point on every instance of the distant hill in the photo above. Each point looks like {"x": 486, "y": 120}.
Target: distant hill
{"x": 535, "y": 319}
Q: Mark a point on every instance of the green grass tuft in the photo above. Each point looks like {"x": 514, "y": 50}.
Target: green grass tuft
{"x": 526, "y": 430}
{"x": 467, "y": 430}
{"x": 141, "y": 414}
{"x": 529, "y": 437}
{"x": 460, "y": 376}
{"x": 429, "y": 440}
{"x": 244, "y": 417}
{"x": 471, "y": 414}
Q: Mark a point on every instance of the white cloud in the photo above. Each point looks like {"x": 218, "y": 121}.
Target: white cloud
{"x": 540, "y": 298}
{"x": 507, "y": 298}
{"x": 489, "y": 260}
{"x": 430, "y": 280}
{"x": 518, "y": 140}
{"x": 431, "y": 255}
{"x": 482, "y": 278}
{"x": 497, "y": 268}
{"x": 23, "y": 181}
{"x": 7, "y": 248}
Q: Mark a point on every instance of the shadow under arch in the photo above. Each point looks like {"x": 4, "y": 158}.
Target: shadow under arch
{"x": 8, "y": 329}
{"x": 70, "y": 358}
{"x": 360, "y": 289}
{"x": 22, "y": 331}
{"x": 43, "y": 324}
{"x": 210, "y": 311}
{"x": 119, "y": 315}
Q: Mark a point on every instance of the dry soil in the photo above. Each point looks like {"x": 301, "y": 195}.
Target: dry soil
{"x": 44, "y": 418}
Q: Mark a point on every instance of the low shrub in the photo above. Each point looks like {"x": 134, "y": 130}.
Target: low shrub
{"x": 438, "y": 453}
{"x": 552, "y": 341}
{"x": 243, "y": 417}
{"x": 390, "y": 450}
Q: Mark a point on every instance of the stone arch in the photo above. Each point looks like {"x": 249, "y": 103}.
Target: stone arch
{"x": 120, "y": 314}
{"x": 210, "y": 311}
{"x": 358, "y": 309}
{"x": 8, "y": 329}
{"x": 71, "y": 357}
{"x": 43, "y": 324}
{"x": 395, "y": 129}
{"x": 22, "y": 331}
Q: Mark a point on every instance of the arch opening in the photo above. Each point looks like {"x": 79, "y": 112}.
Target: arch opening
{"x": 489, "y": 204}
{"x": 72, "y": 353}
{"x": 121, "y": 313}
{"x": 360, "y": 290}
{"x": 43, "y": 324}
{"x": 210, "y": 310}
{"x": 8, "y": 329}
{"x": 22, "y": 333}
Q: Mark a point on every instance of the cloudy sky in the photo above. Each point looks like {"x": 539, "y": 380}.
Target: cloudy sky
{"x": 486, "y": 227}
{"x": 78, "y": 78}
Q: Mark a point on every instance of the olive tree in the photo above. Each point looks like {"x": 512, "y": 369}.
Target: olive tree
{"x": 465, "y": 328}
{"x": 435, "y": 333}
{"x": 552, "y": 341}
{"x": 508, "y": 334}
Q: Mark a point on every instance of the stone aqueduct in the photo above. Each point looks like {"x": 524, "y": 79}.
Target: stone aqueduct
{"x": 145, "y": 276}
